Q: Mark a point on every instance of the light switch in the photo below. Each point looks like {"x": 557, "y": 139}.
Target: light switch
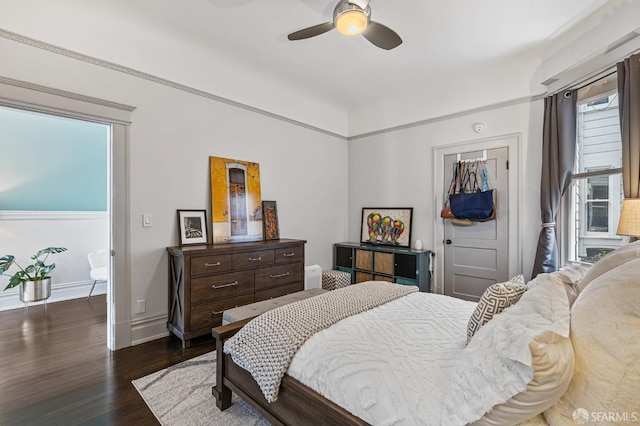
{"x": 146, "y": 219}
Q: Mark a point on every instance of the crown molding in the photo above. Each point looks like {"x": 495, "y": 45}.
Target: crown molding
{"x": 178, "y": 86}
{"x": 451, "y": 116}
{"x": 155, "y": 79}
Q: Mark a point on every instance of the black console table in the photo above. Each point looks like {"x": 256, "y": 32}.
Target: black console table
{"x": 367, "y": 262}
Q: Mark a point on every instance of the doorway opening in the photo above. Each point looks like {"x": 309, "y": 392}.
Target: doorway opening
{"x": 116, "y": 118}
{"x": 55, "y": 193}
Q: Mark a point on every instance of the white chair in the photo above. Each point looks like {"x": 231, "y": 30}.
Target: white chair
{"x": 99, "y": 262}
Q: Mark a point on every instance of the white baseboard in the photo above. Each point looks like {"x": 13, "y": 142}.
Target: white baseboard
{"x": 10, "y": 299}
{"x": 148, "y": 329}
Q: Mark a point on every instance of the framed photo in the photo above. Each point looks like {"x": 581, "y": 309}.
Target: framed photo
{"x": 386, "y": 226}
{"x": 270, "y": 226}
{"x": 192, "y": 225}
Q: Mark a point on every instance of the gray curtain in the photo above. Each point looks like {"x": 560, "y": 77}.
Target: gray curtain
{"x": 629, "y": 106}
{"x": 558, "y": 155}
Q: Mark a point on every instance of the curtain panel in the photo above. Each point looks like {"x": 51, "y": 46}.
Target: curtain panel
{"x": 558, "y": 155}
{"x": 629, "y": 108}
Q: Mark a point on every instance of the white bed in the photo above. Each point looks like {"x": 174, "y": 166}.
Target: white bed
{"x": 356, "y": 353}
{"x": 571, "y": 342}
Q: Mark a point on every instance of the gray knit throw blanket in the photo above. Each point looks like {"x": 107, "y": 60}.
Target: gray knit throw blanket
{"x": 268, "y": 343}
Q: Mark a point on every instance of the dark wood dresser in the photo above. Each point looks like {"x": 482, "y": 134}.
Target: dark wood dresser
{"x": 204, "y": 281}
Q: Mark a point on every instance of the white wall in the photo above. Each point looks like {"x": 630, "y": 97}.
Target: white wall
{"x": 111, "y": 32}
{"x": 395, "y": 169}
{"x": 592, "y": 45}
{"x": 172, "y": 135}
{"x": 174, "y": 132}
{"x": 404, "y": 175}
{"x": 463, "y": 90}
{"x": 80, "y": 232}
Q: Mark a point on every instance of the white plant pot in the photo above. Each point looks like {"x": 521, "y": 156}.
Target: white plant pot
{"x": 35, "y": 291}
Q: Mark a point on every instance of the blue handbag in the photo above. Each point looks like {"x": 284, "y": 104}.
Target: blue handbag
{"x": 472, "y": 205}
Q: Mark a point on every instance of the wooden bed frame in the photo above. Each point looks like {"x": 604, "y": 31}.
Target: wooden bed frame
{"x": 297, "y": 404}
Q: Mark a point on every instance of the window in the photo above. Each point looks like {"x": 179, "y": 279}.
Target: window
{"x": 591, "y": 206}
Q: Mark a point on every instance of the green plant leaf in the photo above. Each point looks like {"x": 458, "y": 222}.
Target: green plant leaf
{"x": 37, "y": 271}
{"x": 45, "y": 271}
{"x": 15, "y": 280}
{"x": 48, "y": 250}
{"x": 5, "y": 263}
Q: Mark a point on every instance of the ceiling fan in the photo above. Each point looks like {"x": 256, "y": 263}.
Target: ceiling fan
{"x": 352, "y": 18}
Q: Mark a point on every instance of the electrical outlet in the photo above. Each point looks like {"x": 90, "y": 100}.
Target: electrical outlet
{"x": 141, "y": 306}
{"x": 146, "y": 220}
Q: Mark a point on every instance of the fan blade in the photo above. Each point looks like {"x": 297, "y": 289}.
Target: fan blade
{"x": 363, "y": 4}
{"x": 311, "y": 31}
{"x": 382, "y": 36}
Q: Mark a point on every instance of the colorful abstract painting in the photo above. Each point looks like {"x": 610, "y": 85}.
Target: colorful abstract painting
{"x": 386, "y": 226}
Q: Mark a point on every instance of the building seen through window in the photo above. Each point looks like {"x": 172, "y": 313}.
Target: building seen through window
{"x": 593, "y": 201}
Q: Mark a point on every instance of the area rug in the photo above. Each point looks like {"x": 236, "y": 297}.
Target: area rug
{"x": 181, "y": 395}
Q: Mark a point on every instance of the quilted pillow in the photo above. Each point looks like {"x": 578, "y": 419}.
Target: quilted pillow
{"x": 605, "y": 320}
{"x": 493, "y": 301}
{"x": 610, "y": 261}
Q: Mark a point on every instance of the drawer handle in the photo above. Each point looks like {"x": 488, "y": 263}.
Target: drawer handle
{"x": 216, "y": 312}
{"x": 288, "y": 254}
{"x": 209, "y": 265}
{"x": 225, "y": 285}
{"x": 255, "y": 259}
{"x": 280, "y": 275}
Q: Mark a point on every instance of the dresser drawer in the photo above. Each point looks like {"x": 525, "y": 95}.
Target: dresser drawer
{"x": 278, "y": 291}
{"x": 252, "y": 259}
{"x": 210, "y": 314}
{"x": 294, "y": 254}
{"x": 222, "y": 285}
{"x": 210, "y": 264}
{"x": 278, "y": 275}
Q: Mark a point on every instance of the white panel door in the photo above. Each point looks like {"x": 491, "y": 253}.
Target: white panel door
{"x": 476, "y": 256}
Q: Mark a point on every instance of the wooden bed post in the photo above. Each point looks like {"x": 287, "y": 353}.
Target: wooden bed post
{"x": 220, "y": 391}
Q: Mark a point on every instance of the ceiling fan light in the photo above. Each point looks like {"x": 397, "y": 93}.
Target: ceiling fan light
{"x": 352, "y": 22}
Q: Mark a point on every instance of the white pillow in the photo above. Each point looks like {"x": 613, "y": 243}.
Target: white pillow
{"x": 518, "y": 364}
{"x": 568, "y": 277}
{"x": 605, "y": 331}
{"x": 612, "y": 260}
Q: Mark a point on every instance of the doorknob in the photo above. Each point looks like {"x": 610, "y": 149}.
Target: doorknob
{"x": 448, "y": 241}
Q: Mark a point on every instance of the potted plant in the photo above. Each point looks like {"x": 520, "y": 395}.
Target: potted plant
{"x": 34, "y": 279}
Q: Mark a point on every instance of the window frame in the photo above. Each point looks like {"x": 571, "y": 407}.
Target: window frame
{"x": 568, "y": 235}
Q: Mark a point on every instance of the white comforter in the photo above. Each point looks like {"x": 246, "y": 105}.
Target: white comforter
{"x": 390, "y": 365}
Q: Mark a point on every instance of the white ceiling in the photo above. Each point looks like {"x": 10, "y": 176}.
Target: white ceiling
{"x": 438, "y": 38}
{"x": 444, "y": 43}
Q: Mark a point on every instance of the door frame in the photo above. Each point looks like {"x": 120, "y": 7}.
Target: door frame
{"x": 513, "y": 142}
{"x": 33, "y": 97}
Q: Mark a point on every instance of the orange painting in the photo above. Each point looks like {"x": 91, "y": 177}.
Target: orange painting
{"x": 270, "y": 220}
{"x": 236, "y": 208}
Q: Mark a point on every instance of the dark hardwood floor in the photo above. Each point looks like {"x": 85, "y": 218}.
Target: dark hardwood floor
{"x": 55, "y": 368}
